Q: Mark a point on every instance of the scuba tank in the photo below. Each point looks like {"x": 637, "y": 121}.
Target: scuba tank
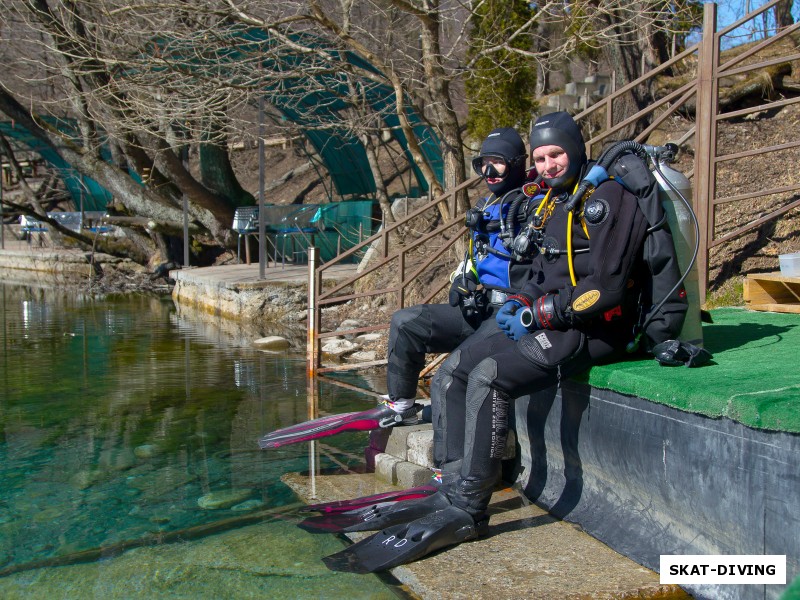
{"x": 681, "y": 224}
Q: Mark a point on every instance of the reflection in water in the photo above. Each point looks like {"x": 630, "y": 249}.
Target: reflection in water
{"x": 120, "y": 422}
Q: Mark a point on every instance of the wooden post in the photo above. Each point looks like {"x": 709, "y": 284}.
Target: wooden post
{"x": 705, "y": 151}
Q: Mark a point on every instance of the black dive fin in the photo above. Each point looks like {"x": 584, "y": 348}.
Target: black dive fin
{"x": 408, "y": 542}
{"x": 375, "y": 516}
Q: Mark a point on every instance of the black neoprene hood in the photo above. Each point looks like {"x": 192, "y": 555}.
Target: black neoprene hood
{"x": 505, "y": 142}
{"x": 560, "y": 129}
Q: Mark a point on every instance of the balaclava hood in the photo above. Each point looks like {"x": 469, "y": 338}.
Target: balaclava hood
{"x": 560, "y": 129}
{"x": 505, "y": 142}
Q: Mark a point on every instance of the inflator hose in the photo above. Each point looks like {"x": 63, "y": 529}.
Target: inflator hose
{"x": 605, "y": 161}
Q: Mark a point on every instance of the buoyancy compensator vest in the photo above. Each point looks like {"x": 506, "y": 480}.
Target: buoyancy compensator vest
{"x": 494, "y": 223}
{"x": 664, "y": 304}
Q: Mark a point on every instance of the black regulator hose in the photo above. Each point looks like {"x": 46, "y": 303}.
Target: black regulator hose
{"x": 511, "y": 217}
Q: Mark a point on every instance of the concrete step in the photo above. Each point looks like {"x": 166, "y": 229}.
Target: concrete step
{"x": 526, "y": 554}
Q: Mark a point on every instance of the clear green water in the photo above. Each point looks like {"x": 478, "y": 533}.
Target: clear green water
{"x": 116, "y": 417}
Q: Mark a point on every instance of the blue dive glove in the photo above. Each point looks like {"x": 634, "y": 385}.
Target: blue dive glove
{"x": 514, "y": 327}
{"x": 506, "y": 313}
{"x": 509, "y": 319}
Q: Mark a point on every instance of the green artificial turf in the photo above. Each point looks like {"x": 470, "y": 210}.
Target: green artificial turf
{"x": 753, "y": 377}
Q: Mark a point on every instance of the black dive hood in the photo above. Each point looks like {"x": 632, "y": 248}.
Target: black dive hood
{"x": 560, "y": 129}
{"x": 507, "y": 144}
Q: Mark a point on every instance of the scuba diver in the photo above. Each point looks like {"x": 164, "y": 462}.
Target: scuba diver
{"x": 578, "y": 309}
{"x": 480, "y": 286}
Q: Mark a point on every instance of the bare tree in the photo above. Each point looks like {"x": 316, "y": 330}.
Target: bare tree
{"x": 150, "y": 78}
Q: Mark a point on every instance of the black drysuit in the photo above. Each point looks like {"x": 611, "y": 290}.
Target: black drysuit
{"x": 473, "y": 388}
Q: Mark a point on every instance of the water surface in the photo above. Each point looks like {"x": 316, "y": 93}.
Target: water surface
{"x": 122, "y": 423}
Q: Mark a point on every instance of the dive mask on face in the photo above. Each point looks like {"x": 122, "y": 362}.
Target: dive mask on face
{"x": 488, "y": 169}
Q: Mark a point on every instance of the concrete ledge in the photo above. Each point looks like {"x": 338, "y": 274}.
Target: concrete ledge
{"x": 527, "y": 554}
{"x": 237, "y": 292}
{"x": 646, "y": 479}
{"x": 49, "y": 266}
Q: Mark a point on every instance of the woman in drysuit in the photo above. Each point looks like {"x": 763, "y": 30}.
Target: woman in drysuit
{"x": 439, "y": 328}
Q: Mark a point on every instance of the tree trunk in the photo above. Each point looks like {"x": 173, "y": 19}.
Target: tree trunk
{"x": 216, "y": 173}
{"x": 783, "y": 14}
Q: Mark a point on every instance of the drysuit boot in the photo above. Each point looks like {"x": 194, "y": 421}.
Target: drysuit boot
{"x": 454, "y": 514}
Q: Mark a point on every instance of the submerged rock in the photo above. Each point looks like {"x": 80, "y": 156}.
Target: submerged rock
{"x": 271, "y": 342}
{"x": 223, "y": 498}
{"x": 251, "y": 504}
{"x": 85, "y": 478}
{"x": 145, "y": 451}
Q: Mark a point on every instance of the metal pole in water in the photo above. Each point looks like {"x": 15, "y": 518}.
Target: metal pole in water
{"x": 313, "y": 451}
{"x": 2, "y": 226}
{"x": 311, "y": 340}
{"x": 263, "y": 251}
{"x": 311, "y": 369}
{"x": 185, "y": 152}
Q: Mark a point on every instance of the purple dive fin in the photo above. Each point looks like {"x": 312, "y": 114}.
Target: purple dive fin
{"x": 376, "y": 515}
{"x": 339, "y": 521}
{"x": 374, "y": 418}
{"x": 340, "y": 506}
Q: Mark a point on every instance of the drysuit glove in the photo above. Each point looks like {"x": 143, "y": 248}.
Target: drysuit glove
{"x": 506, "y": 313}
{"x": 508, "y": 319}
{"x": 514, "y": 327}
{"x": 463, "y": 293}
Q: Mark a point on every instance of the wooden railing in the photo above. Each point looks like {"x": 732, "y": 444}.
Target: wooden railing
{"x": 397, "y": 270}
{"x": 704, "y": 88}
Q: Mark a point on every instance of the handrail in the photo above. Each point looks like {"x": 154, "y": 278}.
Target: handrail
{"x": 336, "y": 293}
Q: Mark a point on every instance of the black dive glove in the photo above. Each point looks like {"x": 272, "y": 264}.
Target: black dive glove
{"x": 673, "y": 353}
{"x": 464, "y": 293}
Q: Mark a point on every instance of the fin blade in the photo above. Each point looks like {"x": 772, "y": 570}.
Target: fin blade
{"x": 322, "y": 427}
{"x": 375, "y": 516}
{"x": 364, "y": 501}
{"x": 335, "y": 522}
{"x": 406, "y": 543}
{"x": 339, "y": 506}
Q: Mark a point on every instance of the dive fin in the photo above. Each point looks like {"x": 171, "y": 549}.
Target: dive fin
{"x": 374, "y": 418}
{"x": 375, "y": 516}
{"x": 340, "y": 506}
{"x": 408, "y": 542}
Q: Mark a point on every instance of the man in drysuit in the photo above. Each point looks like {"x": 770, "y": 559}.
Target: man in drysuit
{"x": 579, "y": 309}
